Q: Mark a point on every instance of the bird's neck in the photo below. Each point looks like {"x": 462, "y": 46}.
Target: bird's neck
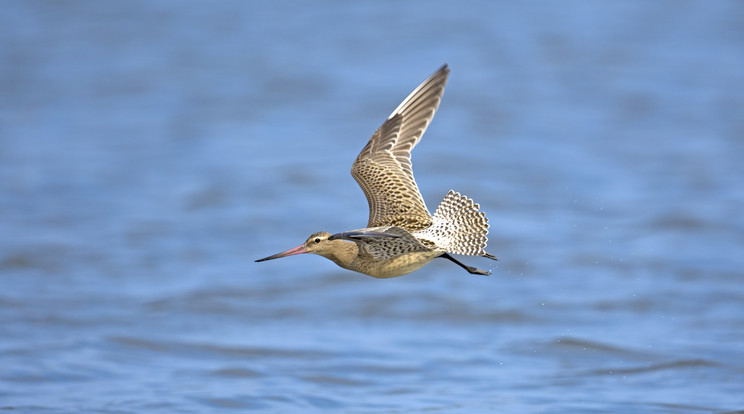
{"x": 343, "y": 254}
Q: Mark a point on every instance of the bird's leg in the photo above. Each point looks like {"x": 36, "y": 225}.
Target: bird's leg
{"x": 472, "y": 270}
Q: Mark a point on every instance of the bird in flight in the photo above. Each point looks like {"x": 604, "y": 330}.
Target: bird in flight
{"x": 401, "y": 235}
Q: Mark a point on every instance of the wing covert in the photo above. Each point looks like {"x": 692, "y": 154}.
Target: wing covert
{"x": 383, "y": 167}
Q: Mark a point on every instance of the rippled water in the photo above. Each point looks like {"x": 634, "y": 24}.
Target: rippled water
{"x": 149, "y": 152}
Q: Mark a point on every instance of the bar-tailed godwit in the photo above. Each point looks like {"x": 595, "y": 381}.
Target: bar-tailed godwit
{"x": 401, "y": 235}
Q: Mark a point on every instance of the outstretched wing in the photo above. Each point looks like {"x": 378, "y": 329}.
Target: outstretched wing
{"x": 383, "y": 168}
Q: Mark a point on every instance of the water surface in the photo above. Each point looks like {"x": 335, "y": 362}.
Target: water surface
{"x": 150, "y": 152}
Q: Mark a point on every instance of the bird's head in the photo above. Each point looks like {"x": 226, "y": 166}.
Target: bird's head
{"x": 317, "y": 243}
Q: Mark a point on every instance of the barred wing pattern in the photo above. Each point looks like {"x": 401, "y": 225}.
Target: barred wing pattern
{"x": 383, "y": 168}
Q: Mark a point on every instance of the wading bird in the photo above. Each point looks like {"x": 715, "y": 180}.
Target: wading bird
{"x": 401, "y": 235}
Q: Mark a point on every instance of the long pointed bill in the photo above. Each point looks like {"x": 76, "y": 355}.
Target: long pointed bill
{"x": 297, "y": 250}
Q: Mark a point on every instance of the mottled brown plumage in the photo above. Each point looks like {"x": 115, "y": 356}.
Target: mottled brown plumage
{"x": 383, "y": 167}
{"x": 401, "y": 235}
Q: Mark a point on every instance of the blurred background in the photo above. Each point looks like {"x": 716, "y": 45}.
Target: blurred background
{"x": 150, "y": 151}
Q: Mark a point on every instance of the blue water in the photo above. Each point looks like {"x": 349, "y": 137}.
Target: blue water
{"x": 150, "y": 151}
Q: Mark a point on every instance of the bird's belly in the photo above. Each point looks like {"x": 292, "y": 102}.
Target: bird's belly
{"x": 400, "y": 265}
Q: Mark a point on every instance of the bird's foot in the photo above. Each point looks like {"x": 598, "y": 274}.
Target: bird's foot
{"x": 475, "y": 271}
{"x": 490, "y": 256}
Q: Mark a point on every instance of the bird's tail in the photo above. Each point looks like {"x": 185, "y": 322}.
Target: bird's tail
{"x": 458, "y": 227}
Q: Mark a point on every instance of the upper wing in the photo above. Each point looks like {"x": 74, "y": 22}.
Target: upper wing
{"x": 383, "y": 242}
{"x": 383, "y": 168}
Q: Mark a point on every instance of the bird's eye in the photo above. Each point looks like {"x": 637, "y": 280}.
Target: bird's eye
{"x": 317, "y": 240}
